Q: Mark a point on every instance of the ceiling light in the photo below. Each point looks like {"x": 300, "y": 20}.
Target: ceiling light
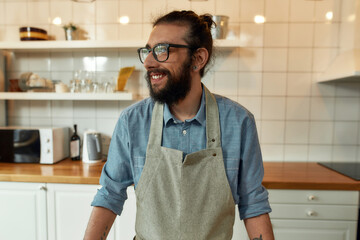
{"x": 124, "y": 20}
{"x": 57, "y": 21}
{"x": 329, "y": 15}
{"x": 259, "y": 19}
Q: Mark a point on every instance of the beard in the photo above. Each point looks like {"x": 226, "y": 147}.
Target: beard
{"x": 176, "y": 87}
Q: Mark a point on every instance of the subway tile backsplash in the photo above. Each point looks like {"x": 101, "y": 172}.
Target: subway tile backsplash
{"x": 273, "y": 74}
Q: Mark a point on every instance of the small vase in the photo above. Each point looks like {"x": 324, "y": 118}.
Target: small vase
{"x": 69, "y": 34}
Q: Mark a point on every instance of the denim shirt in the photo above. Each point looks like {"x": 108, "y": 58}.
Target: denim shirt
{"x": 239, "y": 141}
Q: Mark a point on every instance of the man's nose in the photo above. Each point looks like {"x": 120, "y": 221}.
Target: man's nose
{"x": 150, "y": 61}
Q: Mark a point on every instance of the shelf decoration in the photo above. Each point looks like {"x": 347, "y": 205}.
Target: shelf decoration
{"x": 70, "y": 30}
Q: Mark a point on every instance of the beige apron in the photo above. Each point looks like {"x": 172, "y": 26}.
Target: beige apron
{"x": 185, "y": 200}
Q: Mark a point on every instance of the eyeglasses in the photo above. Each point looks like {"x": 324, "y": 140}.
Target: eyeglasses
{"x": 159, "y": 51}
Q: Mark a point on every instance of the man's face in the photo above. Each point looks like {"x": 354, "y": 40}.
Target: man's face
{"x": 169, "y": 81}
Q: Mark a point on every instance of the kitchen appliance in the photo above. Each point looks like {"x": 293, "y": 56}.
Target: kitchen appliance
{"x": 350, "y": 169}
{"x": 92, "y": 150}
{"x": 346, "y": 65}
{"x": 34, "y": 145}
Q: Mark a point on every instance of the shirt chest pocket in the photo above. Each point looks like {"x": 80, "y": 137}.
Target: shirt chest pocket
{"x": 232, "y": 172}
{"x": 139, "y": 162}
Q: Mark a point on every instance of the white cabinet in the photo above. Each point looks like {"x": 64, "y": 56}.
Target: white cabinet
{"x": 23, "y": 211}
{"x": 69, "y": 210}
{"x": 125, "y": 224}
{"x": 61, "y": 211}
{"x": 311, "y": 230}
{"x": 239, "y": 230}
{"x": 39, "y": 211}
{"x": 313, "y": 214}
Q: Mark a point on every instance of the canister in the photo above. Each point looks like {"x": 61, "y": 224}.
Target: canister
{"x": 221, "y": 29}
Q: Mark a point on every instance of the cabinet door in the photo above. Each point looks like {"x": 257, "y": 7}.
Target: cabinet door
{"x": 22, "y": 211}
{"x": 314, "y": 230}
{"x": 69, "y": 210}
{"x": 125, "y": 224}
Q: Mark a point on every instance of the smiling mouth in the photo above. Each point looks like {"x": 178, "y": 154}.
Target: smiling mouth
{"x": 156, "y": 77}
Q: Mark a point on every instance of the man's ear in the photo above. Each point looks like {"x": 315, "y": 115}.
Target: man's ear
{"x": 200, "y": 58}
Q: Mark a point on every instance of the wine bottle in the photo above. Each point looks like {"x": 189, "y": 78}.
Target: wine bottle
{"x": 75, "y": 145}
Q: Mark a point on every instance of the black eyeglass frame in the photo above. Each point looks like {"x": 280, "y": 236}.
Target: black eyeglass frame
{"x": 167, "y": 45}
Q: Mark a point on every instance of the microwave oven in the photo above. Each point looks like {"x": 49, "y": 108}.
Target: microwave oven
{"x": 34, "y": 145}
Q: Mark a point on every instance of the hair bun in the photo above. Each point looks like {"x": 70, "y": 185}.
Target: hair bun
{"x": 208, "y": 19}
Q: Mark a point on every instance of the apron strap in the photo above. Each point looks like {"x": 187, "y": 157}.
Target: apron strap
{"x": 156, "y": 127}
{"x": 212, "y": 123}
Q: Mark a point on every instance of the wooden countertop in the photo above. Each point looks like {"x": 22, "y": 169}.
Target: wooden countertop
{"x": 302, "y": 175}
{"x": 65, "y": 171}
{"x": 278, "y": 175}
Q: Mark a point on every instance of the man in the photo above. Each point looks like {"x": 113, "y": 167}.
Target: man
{"x": 191, "y": 155}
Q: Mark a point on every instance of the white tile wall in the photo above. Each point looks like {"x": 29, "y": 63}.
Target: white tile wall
{"x": 321, "y": 132}
{"x": 274, "y": 74}
{"x": 274, "y": 84}
{"x": 296, "y": 132}
{"x": 296, "y": 153}
{"x": 277, "y": 10}
{"x": 275, "y": 59}
{"x": 297, "y": 108}
{"x": 276, "y": 35}
{"x": 302, "y": 11}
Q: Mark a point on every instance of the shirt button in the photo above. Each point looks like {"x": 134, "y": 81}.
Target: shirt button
{"x": 184, "y": 132}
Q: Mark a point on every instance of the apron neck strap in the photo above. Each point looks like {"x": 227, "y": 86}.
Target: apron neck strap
{"x": 212, "y": 122}
{"x": 156, "y": 127}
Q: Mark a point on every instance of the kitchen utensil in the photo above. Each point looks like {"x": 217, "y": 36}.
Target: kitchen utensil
{"x": 61, "y": 87}
{"x": 32, "y": 81}
{"x": 220, "y": 31}
{"x": 32, "y": 33}
{"x": 14, "y": 85}
{"x": 92, "y": 150}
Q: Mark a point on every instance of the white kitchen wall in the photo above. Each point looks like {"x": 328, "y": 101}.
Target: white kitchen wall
{"x": 274, "y": 74}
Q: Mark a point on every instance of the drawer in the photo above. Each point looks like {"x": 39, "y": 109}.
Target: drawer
{"x": 314, "y": 230}
{"x": 314, "y": 197}
{"x": 307, "y": 211}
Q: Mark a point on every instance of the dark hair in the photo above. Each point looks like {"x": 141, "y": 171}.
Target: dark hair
{"x": 199, "y": 32}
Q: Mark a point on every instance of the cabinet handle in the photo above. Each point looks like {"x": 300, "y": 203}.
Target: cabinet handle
{"x": 311, "y": 213}
{"x": 311, "y": 198}
{"x": 42, "y": 188}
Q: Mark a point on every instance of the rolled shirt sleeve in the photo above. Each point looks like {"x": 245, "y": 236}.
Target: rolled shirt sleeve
{"x": 253, "y": 196}
{"x": 117, "y": 172}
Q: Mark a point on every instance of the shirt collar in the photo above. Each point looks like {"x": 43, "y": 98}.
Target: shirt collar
{"x": 200, "y": 116}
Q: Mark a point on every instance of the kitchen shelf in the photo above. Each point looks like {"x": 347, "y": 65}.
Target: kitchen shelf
{"x": 123, "y": 96}
{"x": 78, "y": 45}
